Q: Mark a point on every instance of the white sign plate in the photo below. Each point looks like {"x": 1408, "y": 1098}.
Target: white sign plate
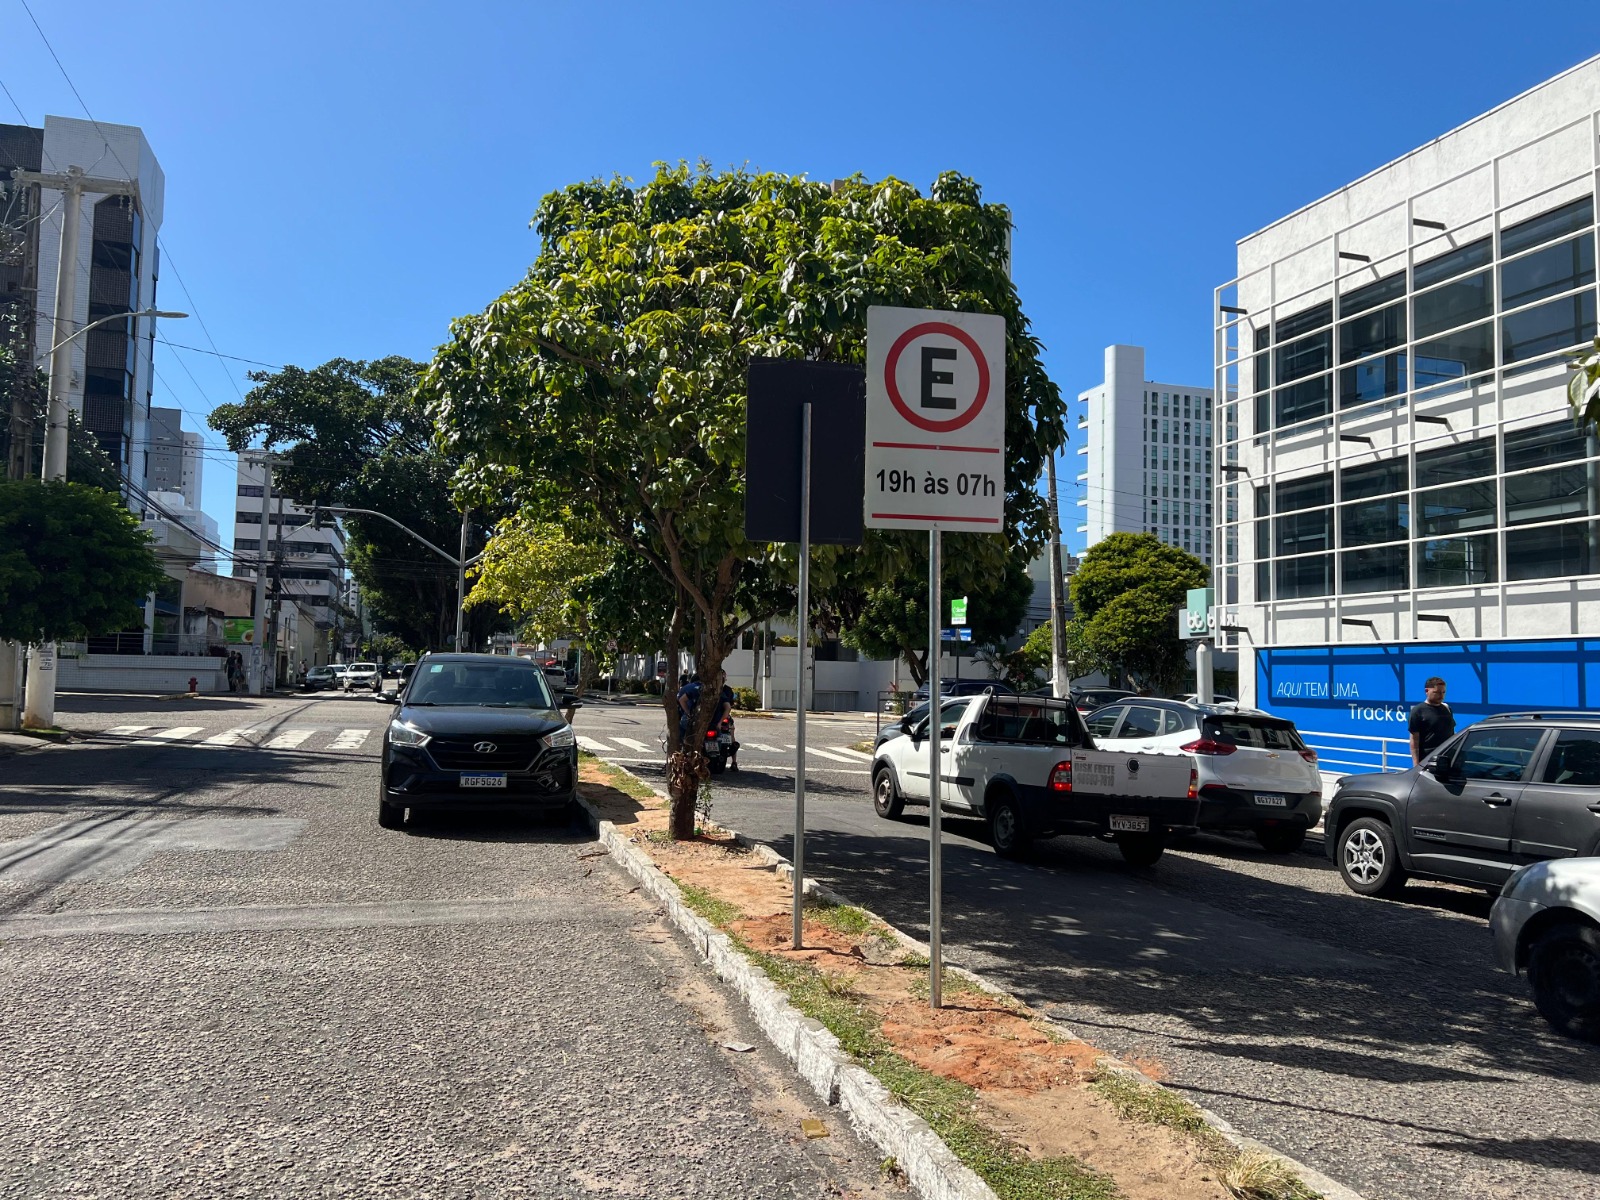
{"x": 936, "y": 420}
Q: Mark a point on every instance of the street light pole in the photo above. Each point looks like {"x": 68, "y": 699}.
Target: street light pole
{"x": 461, "y": 583}
{"x": 39, "y": 710}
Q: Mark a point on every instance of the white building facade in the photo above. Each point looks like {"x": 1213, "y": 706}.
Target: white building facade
{"x": 1400, "y": 490}
{"x": 1147, "y": 456}
{"x": 312, "y": 563}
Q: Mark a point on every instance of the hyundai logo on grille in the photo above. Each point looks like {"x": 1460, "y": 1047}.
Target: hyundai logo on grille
{"x": 486, "y": 747}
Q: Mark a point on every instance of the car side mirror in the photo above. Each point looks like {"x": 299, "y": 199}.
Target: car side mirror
{"x": 389, "y": 697}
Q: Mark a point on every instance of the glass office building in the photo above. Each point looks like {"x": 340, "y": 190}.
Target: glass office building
{"x": 1400, "y": 489}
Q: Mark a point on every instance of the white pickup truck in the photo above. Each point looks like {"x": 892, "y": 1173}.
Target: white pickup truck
{"x": 1027, "y": 766}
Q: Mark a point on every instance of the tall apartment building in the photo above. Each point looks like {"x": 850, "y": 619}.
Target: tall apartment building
{"x": 1402, "y": 491}
{"x": 312, "y": 566}
{"x": 1147, "y": 449}
{"x": 176, "y": 462}
{"x": 117, "y": 268}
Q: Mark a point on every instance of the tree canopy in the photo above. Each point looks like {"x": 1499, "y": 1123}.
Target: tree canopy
{"x": 74, "y": 562}
{"x": 1125, "y": 595}
{"x": 612, "y": 377}
{"x": 356, "y": 435}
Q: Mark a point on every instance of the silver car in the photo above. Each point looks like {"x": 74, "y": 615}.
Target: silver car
{"x": 1547, "y": 923}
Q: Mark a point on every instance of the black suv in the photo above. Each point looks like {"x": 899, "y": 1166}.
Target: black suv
{"x": 1513, "y": 789}
{"x": 477, "y": 731}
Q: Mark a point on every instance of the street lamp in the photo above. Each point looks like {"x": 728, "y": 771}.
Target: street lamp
{"x": 40, "y": 709}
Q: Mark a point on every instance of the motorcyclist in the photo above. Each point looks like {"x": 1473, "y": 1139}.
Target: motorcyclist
{"x": 725, "y": 713}
{"x": 688, "y": 697}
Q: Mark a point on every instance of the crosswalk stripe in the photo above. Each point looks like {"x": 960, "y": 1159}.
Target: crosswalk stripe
{"x": 289, "y": 739}
{"x": 631, "y": 744}
{"x": 350, "y": 739}
{"x": 594, "y": 747}
{"x": 164, "y": 736}
{"x": 125, "y": 730}
{"x": 228, "y": 737}
{"x": 828, "y": 754}
{"x": 767, "y": 749}
{"x": 854, "y": 753}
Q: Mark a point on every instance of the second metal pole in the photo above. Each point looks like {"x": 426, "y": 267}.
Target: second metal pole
{"x": 935, "y": 813}
{"x": 461, "y": 585}
{"x": 803, "y": 611}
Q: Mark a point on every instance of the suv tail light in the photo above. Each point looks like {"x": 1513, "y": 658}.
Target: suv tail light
{"x": 1207, "y": 745}
{"x": 1308, "y": 754}
{"x": 1061, "y": 777}
{"x": 1194, "y": 782}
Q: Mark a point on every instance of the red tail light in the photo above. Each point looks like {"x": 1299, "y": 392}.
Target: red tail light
{"x": 1309, "y": 755}
{"x": 711, "y": 735}
{"x": 1194, "y": 782}
{"x": 1208, "y": 746}
{"x": 1061, "y": 777}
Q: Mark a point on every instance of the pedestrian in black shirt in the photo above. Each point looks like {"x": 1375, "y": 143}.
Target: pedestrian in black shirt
{"x": 1432, "y": 723}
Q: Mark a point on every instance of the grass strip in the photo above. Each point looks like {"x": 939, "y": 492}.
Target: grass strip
{"x": 1249, "y": 1174}
{"x": 844, "y": 919}
{"x": 715, "y": 910}
{"x": 949, "y": 1107}
{"x": 616, "y": 777}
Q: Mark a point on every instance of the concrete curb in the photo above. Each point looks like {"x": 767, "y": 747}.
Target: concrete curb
{"x": 930, "y": 1166}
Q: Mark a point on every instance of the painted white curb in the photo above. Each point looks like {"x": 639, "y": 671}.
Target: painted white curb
{"x": 930, "y": 1166}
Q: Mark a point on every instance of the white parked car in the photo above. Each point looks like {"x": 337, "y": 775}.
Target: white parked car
{"x": 362, "y": 675}
{"x": 1255, "y": 772}
{"x": 1547, "y": 923}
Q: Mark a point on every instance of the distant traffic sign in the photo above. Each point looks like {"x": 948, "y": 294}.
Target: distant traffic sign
{"x": 958, "y": 610}
{"x": 936, "y": 424}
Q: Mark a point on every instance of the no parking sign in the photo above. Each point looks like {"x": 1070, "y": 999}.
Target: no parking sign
{"x": 936, "y": 420}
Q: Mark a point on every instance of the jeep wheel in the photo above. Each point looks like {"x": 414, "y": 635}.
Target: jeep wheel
{"x": 1368, "y": 859}
{"x": 1564, "y": 968}
{"x": 886, "y": 799}
{"x": 1281, "y": 839}
{"x": 1141, "y": 849}
{"x": 1007, "y": 833}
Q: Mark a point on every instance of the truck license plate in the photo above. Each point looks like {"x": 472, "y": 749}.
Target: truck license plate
{"x": 1272, "y": 799}
{"x": 483, "y": 779}
{"x": 1130, "y": 824}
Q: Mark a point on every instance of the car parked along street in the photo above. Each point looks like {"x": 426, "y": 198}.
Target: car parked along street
{"x": 1546, "y": 924}
{"x": 1514, "y": 789}
{"x": 1256, "y": 775}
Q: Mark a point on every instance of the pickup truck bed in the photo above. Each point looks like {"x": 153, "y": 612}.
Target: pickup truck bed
{"x": 1027, "y": 766}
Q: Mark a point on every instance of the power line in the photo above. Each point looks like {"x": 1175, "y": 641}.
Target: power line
{"x": 14, "y": 104}
{"x": 254, "y": 362}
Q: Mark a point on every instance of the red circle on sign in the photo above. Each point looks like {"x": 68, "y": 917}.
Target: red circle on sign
{"x": 904, "y": 340}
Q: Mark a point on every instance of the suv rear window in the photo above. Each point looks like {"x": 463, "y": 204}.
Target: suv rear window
{"x": 1034, "y": 722}
{"x": 1254, "y": 733}
{"x": 1575, "y": 760}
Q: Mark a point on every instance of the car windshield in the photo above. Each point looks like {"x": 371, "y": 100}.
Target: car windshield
{"x": 492, "y": 685}
{"x": 363, "y": 666}
{"x": 1256, "y": 733}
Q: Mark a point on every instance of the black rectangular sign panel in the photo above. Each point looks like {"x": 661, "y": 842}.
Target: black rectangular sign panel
{"x": 837, "y": 393}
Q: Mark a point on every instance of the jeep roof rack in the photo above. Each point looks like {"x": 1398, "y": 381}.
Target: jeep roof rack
{"x": 1546, "y": 714}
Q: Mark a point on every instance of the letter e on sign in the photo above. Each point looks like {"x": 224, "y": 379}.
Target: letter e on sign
{"x": 936, "y": 420}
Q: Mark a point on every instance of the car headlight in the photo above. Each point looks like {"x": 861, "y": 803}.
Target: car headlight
{"x": 401, "y": 734}
{"x": 561, "y": 738}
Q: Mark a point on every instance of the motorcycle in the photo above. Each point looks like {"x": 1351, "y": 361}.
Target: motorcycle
{"x": 720, "y": 746}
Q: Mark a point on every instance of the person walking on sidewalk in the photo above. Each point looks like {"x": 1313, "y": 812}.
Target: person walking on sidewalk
{"x": 1432, "y": 723}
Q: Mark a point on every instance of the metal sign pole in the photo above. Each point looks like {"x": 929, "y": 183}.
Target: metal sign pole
{"x": 803, "y": 612}
{"x": 935, "y": 813}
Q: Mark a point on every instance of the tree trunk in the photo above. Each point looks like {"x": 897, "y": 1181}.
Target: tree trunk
{"x": 685, "y": 768}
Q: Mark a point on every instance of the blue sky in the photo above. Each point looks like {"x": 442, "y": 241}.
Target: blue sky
{"x": 343, "y": 178}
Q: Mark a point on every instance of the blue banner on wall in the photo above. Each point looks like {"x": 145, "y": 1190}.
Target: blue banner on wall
{"x": 1369, "y": 690}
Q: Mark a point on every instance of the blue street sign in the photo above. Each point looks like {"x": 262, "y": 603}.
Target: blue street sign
{"x": 957, "y": 635}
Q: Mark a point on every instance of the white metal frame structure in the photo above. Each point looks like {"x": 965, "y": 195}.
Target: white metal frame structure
{"x": 1443, "y": 202}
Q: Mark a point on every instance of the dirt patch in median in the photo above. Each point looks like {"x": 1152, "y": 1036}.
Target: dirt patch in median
{"x": 1032, "y": 1088}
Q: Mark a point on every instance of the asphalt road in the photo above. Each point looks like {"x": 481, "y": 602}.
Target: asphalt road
{"x": 220, "y": 978}
{"x": 1372, "y": 1039}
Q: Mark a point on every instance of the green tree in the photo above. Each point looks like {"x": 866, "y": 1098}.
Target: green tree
{"x": 894, "y": 619}
{"x": 356, "y": 435}
{"x": 73, "y": 562}
{"x": 613, "y": 375}
{"x": 1125, "y": 595}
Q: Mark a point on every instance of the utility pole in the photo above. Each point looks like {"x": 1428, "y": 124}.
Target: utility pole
{"x": 258, "y": 676}
{"x": 277, "y": 599}
{"x": 1060, "y": 678}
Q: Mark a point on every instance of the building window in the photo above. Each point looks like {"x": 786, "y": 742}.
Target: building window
{"x": 1456, "y": 562}
{"x": 1525, "y": 235}
{"x": 1548, "y": 272}
{"x": 1553, "y": 552}
{"x": 1459, "y": 303}
{"x": 1549, "y": 327}
{"x": 251, "y": 489}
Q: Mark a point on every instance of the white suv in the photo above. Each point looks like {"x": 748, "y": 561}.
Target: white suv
{"x": 362, "y": 675}
{"x": 1255, "y": 773}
